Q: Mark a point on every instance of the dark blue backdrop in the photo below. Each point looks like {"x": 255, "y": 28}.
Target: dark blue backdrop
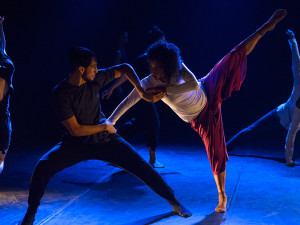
{"x": 40, "y": 33}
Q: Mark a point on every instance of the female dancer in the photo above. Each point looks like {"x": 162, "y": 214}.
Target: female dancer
{"x": 199, "y": 103}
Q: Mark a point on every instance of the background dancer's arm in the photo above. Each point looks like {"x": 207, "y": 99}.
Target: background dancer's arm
{"x": 4, "y": 87}
{"x": 108, "y": 92}
{"x": 75, "y": 129}
{"x": 295, "y": 56}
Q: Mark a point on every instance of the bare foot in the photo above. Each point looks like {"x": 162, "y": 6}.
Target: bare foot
{"x": 180, "y": 210}
{"x": 221, "y": 208}
{"x": 290, "y": 163}
{"x": 277, "y": 16}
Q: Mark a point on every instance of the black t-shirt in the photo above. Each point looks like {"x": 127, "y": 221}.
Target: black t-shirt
{"x": 83, "y": 102}
{"x": 6, "y": 72}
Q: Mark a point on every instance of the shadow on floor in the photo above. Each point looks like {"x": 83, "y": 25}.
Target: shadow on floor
{"x": 152, "y": 219}
{"x": 213, "y": 219}
{"x": 280, "y": 160}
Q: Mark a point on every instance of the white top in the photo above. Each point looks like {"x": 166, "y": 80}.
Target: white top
{"x": 186, "y": 98}
{"x": 284, "y": 110}
{"x": 288, "y": 113}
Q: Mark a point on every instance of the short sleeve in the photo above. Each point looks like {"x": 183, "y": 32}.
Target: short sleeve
{"x": 62, "y": 105}
{"x": 105, "y": 76}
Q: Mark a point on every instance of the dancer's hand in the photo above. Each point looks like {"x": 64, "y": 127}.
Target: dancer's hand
{"x": 290, "y": 34}
{"x": 144, "y": 95}
{"x": 152, "y": 96}
{"x": 156, "y": 90}
{"x": 1, "y": 19}
{"x": 109, "y": 127}
{"x": 107, "y": 93}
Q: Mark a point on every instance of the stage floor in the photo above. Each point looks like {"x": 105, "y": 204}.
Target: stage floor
{"x": 260, "y": 190}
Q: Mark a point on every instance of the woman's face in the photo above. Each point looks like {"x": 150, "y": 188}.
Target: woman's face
{"x": 157, "y": 71}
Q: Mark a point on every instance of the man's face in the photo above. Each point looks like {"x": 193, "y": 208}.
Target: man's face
{"x": 90, "y": 71}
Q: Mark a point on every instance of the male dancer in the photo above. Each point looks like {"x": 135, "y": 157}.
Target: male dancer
{"x": 281, "y": 120}
{"x": 6, "y": 73}
{"x": 199, "y": 103}
{"x": 145, "y": 112}
{"x": 76, "y": 101}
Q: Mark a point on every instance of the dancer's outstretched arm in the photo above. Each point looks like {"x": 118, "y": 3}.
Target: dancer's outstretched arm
{"x": 252, "y": 40}
{"x": 295, "y": 52}
{"x": 126, "y": 104}
{"x": 2, "y": 36}
{"x": 131, "y": 100}
{"x": 3, "y": 69}
{"x": 129, "y": 72}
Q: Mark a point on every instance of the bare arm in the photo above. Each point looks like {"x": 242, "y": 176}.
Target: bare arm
{"x": 295, "y": 52}
{"x": 77, "y": 130}
{"x": 2, "y": 36}
{"x": 129, "y": 72}
{"x": 3, "y": 84}
{"x": 3, "y": 88}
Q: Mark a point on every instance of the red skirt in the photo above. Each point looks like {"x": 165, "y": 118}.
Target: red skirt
{"x": 226, "y": 76}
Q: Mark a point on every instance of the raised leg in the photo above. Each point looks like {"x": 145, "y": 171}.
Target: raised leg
{"x": 252, "y": 40}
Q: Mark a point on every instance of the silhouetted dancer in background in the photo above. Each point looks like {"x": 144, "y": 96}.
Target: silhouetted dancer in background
{"x": 144, "y": 114}
{"x": 284, "y": 119}
{"x": 118, "y": 56}
{"x": 6, "y": 74}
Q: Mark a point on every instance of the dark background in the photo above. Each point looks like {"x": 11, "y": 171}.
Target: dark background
{"x": 40, "y": 33}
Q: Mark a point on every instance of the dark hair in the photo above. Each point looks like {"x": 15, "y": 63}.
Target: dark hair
{"x": 80, "y": 56}
{"x": 154, "y": 35}
{"x": 168, "y": 55}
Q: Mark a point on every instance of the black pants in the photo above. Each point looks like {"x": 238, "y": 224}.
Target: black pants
{"x": 5, "y": 131}
{"x": 114, "y": 150}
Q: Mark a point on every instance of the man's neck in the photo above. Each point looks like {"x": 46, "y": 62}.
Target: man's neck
{"x": 76, "y": 79}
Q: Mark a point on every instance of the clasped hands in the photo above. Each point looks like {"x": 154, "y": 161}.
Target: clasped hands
{"x": 153, "y": 94}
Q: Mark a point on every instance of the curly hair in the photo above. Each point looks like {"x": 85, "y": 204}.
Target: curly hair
{"x": 80, "y": 56}
{"x": 168, "y": 55}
